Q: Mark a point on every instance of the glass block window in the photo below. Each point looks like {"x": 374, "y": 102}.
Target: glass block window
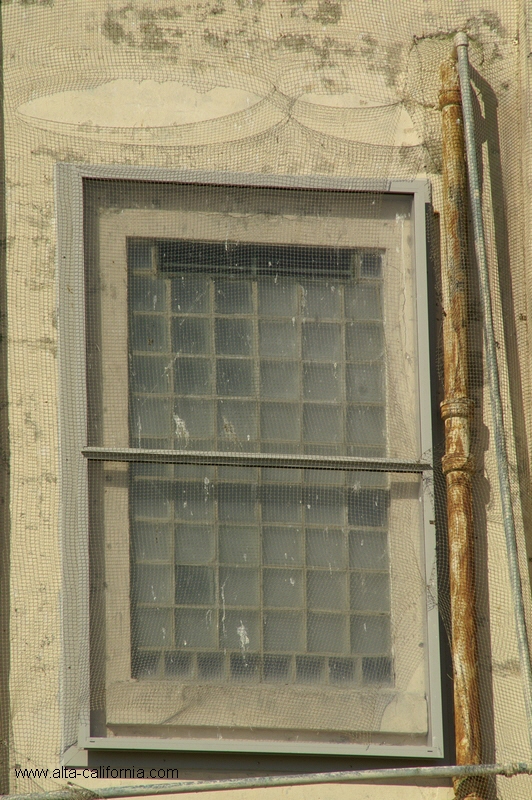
{"x": 264, "y": 574}
{"x": 258, "y": 515}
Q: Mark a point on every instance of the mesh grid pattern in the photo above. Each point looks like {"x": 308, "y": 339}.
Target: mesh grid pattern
{"x": 286, "y": 366}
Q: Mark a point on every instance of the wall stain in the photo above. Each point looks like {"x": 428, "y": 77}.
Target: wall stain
{"x": 328, "y": 12}
{"x": 112, "y": 29}
{"x": 29, "y": 2}
{"x": 146, "y": 28}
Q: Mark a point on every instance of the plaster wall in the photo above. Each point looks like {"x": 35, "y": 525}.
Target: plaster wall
{"x": 278, "y": 87}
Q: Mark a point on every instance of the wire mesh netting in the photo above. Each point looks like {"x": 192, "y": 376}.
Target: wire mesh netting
{"x": 251, "y": 552}
{"x": 275, "y": 575}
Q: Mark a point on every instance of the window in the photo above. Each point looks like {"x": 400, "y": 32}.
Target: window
{"x": 258, "y": 504}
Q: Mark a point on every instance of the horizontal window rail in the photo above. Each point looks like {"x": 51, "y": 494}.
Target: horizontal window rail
{"x": 221, "y": 458}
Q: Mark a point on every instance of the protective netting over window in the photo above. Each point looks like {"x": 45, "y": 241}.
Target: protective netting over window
{"x": 217, "y": 566}
{"x": 283, "y": 325}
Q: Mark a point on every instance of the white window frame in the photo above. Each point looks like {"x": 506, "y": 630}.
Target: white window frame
{"x": 77, "y": 739}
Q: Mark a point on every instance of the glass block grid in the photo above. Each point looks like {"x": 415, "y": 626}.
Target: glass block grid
{"x": 249, "y": 355}
{"x": 241, "y": 574}
{"x": 264, "y": 579}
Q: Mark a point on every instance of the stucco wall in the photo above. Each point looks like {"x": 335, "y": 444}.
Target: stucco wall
{"x": 86, "y": 82}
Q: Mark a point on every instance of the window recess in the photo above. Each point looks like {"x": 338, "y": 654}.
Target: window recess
{"x": 257, "y": 477}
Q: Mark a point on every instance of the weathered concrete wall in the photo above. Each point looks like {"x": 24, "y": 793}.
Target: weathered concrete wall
{"x": 282, "y": 86}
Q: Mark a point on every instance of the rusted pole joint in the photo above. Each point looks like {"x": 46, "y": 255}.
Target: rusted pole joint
{"x": 457, "y": 413}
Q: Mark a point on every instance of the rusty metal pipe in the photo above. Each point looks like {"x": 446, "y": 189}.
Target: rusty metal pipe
{"x": 456, "y": 410}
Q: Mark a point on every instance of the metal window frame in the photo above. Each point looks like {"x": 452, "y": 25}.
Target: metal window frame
{"x": 74, "y": 457}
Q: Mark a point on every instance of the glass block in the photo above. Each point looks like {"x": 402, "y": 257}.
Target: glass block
{"x": 238, "y": 545}
{"x": 277, "y": 669}
{"x": 139, "y": 254}
{"x": 326, "y": 591}
{"x": 234, "y": 377}
{"x": 149, "y": 374}
{"x": 282, "y": 588}
{"x": 321, "y": 299}
{"x": 239, "y": 586}
{"x": 238, "y": 474}
{"x": 275, "y": 446}
{"x": 152, "y": 627}
{"x": 365, "y": 383}
{"x": 327, "y": 633}
{"x": 192, "y": 376}
{"x": 279, "y": 339}
{"x": 368, "y": 480}
{"x": 146, "y": 293}
{"x": 281, "y": 475}
{"x": 326, "y": 548}
{"x": 151, "y": 541}
{"x": 368, "y": 508}
{"x": 194, "y": 585}
{"x": 370, "y": 591}
{"x": 194, "y": 544}
{"x": 284, "y": 631}
{"x": 210, "y": 666}
{"x": 195, "y": 627}
{"x": 232, "y": 296}
{"x": 178, "y": 665}
{"x": 370, "y": 264}
{"x": 233, "y": 337}
{"x": 368, "y": 550}
{"x": 147, "y": 470}
{"x": 325, "y": 477}
{"x": 237, "y": 503}
{"x": 279, "y": 421}
{"x": 152, "y": 442}
{"x": 191, "y": 335}
{"x": 310, "y": 669}
{"x": 281, "y": 504}
{"x": 190, "y": 294}
{"x": 279, "y": 380}
{"x": 342, "y": 670}
{"x": 377, "y": 670}
{"x": 148, "y": 333}
{"x": 364, "y": 341}
{"x": 277, "y": 297}
{"x": 193, "y": 502}
{"x": 244, "y": 667}
{"x": 322, "y": 341}
{"x": 322, "y": 382}
{"x": 240, "y": 630}
{"x": 366, "y": 425}
{"x": 370, "y": 635}
{"x": 193, "y": 419}
{"x": 190, "y": 471}
{"x": 324, "y": 506}
{"x": 237, "y": 423}
{"x": 152, "y": 583}
{"x": 282, "y": 546}
{"x": 322, "y": 423}
{"x": 144, "y": 665}
{"x": 363, "y": 301}
{"x": 149, "y": 499}
{"x": 150, "y": 416}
